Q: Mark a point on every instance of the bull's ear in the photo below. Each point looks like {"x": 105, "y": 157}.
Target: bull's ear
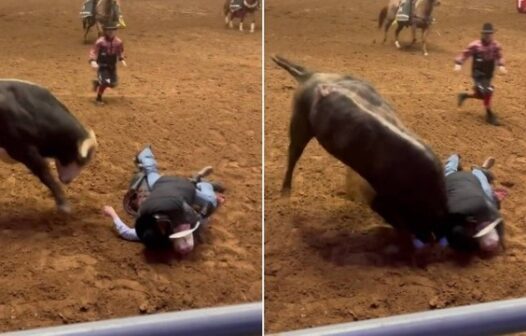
{"x": 87, "y": 145}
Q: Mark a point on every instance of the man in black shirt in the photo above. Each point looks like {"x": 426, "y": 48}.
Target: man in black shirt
{"x": 168, "y": 209}
{"x": 475, "y": 221}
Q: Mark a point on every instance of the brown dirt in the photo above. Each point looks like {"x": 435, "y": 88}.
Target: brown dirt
{"x": 324, "y": 259}
{"x": 192, "y": 89}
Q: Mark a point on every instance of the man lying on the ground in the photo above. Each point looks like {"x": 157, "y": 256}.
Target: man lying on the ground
{"x": 169, "y": 210}
{"x": 475, "y": 222}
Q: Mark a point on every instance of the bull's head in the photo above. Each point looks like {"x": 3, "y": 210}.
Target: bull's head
{"x": 85, "y": 151}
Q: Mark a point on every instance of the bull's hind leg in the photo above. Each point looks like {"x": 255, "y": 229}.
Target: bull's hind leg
{"x": 39, "y": 167}
{"x": 300, "y": 135}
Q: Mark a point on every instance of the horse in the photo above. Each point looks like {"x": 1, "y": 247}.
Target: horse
{"x": 233, "y": 9}
{"x": 102, "y": 12}
{"x": 420, "y": 18}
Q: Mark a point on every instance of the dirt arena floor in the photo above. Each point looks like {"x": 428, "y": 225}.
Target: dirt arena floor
{"x": 325, "y": 256}
{"x": 193, "y": 90}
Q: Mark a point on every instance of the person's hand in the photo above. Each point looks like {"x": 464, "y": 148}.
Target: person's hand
{"x": 457, "y": 67}
{"x": 94, "y": 65}
{"x": 123, "y": 62}
{"x": 503, "y": 69}
{"x": 109, "y": 211}
{"x": 220, "y": 198}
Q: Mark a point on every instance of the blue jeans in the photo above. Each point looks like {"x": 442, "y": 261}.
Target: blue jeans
{"x": 204, "y": 192}
{"x": 149, "y": 165}
{"x": 452, "y": 167}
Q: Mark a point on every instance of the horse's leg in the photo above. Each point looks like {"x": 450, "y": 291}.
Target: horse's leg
{"x": 99, "y": 29}
{"x": 424, "y": 44}
{"x": 253, "y": 23}
{"x": 413, "y": 33}
{"x": 397, "y": 32}
{"x": 231, "y": 23}
{"x": 386, "y": 29}
{"x": 241, "y": 19}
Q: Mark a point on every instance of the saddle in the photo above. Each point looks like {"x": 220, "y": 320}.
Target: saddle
{"x": 236, "y": 5}
{"x": 403, "y": 15}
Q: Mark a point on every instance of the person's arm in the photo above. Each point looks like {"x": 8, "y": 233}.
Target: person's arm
{"x": 464, "y": 55}
{"x": 93, "y": 54}
{"x": 120, "y": 54}
{"x": 499, "y": 58}
{"x": 124, "y": 231}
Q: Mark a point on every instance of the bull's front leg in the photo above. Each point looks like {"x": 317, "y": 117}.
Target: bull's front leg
{"x": 39, "y": 167}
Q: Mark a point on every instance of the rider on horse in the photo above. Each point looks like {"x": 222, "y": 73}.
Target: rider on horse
{"x": 89, "y": 9}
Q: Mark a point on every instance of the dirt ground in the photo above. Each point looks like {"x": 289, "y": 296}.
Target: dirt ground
{"x": 193, "y": 90}
{"x": 325, "y": 256}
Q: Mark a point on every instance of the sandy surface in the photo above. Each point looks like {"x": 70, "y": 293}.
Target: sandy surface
{"x": 193, "y": 90}
{"x": 325, "y": 257}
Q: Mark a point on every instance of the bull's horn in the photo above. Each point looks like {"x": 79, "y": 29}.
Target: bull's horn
{"x": 87, "y": 144}
{"x": 488, "y": 228}
{"x": 185, "y": 232}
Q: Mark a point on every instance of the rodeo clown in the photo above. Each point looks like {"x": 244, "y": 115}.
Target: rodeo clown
{"x": 103, "y": 58}
{"x": 169, "y": 211}
{"x": 486, "y": 53}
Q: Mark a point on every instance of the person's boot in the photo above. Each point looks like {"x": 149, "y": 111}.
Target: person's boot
{"x": 488, "y": 163}
{"x": 98, "y": 100}
{"x": 461, "y": 97}
{"x": 202, "y": 173}
{"x": 491, "y": 118}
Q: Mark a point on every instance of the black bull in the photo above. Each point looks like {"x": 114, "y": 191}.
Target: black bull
{"x": 35, "y": 126}
{"x": 352, "y": 122}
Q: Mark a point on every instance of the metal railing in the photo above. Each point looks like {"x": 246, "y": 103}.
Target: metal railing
{"x": 244, "y": 319}
{"x": 492, "y": 318}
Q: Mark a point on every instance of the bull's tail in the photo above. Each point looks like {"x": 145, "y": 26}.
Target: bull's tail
{"x": 382, "y": 16}
{"x": 298, "y": 72}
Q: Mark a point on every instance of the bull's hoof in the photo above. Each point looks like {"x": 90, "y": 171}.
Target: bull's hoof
{"x": 64, "y": 208}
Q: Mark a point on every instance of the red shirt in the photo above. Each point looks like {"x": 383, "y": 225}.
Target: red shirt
{"x": 110, "y": 49}
{"x": 489, "y": 52}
